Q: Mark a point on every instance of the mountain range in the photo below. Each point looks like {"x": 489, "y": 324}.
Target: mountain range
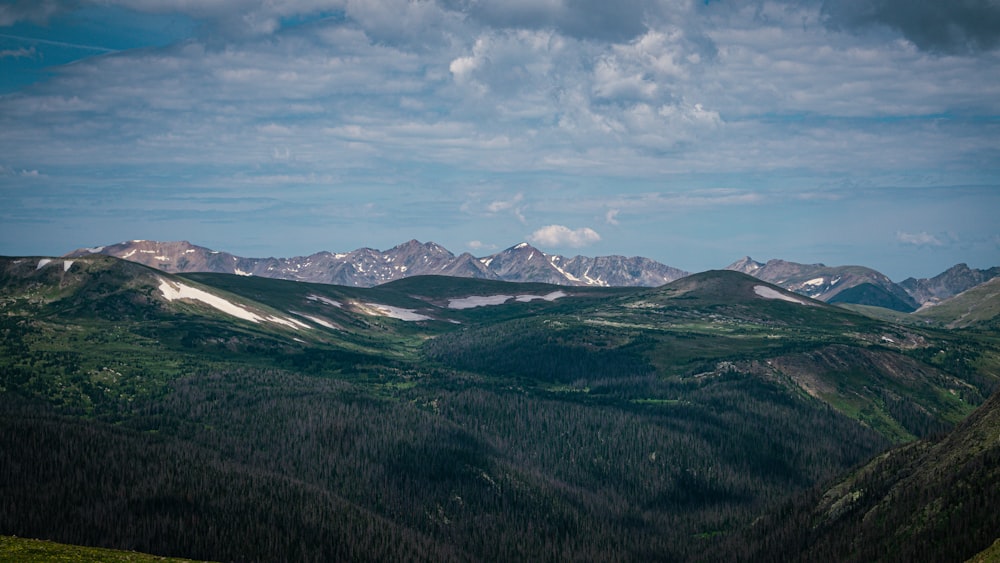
{"x": 443, "y": 418}
{"x": 367, "y": 267}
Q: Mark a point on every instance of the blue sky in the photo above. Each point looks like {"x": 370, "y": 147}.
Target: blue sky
{"x": 690, "y": 132}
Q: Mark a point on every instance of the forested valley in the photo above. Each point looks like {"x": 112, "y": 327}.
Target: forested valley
{"x": 641, "y": 425}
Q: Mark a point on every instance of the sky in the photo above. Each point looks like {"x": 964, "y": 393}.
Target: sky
{"x": 690, "y": 132}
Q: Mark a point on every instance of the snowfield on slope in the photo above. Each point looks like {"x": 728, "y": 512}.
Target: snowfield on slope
{"x": 322, "y": 299}
{"x": 487, "y": 300}
{"x": 393, "y": 312}
{"x": 172, "y": 291}
{"x": 317, "y": 320}
{"x": 768, "y": 293}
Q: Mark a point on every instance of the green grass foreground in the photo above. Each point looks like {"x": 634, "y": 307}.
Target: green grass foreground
{"x": 22, "y": 550}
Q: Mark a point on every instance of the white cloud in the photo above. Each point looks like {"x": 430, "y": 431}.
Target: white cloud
{"x": 919, "y": 239}
{"x": 19, "y": 53}
{"x": 559, "y": 235}
{"x": 479, "y": 245}
{"x": 577, "y": 109}
{"x": 503, "y": 205}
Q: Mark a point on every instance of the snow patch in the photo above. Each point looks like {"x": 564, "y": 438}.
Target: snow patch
{"x": 487, "y": 300}
{"x": 173, "y": 290}
{"x": 287, "y": 322}
{"x": 564, "y": 273}
{"x": 129, "y": 253}
{"x": 317, "y": 320}
{"x": 190, "y": 250}
{"x": 43, "y": 263}
{"x": 394, "y": 312}
{"x": 768, "y": 293}
{"x": 163, "y": 258}
{"x": 240, "y": 272}
{"x": 478, "y": 301}
{"x": 326, "y": 300}
{"x": 815, "y": 281}
{"x": 486, "y": 261}
{"x": 547, "y": 297}
{"x": 67, "y": 264}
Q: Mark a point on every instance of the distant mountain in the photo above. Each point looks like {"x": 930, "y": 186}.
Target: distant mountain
{"x": 366, "y": 267}
{"x": 949, "y": 283}
{"x": 975, "y": 307}
{"x": 833, "y": 284}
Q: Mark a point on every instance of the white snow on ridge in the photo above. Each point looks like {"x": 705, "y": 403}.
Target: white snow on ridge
{"x": 173, "y": 291}
{"x": 326, "y": 300}
{"x": 317, "y": 320}
{"x": 487, "y": 300}
{"x": 547, "y": 297}
{"x": 67, "y": 264}
{"x": 240, "y": 272}
{"x": 478, "y": 301}
{"x": 815, "y": 281}
{"x": 393, "y": 312}
{"x": 564, "y": 273}
{"x": 768, "y": 293}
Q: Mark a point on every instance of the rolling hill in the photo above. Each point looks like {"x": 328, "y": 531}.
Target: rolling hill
{"x": 222, "y": 417}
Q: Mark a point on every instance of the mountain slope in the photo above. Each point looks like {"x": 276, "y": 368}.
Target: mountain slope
{"x": 366, "y": 267}
{"x": 441, "y": 418}
{"x": 976, "y": 307}
{"x": 933, "y": 500}
{"x": 831, "y": 283}
{"x": 949, "y": 283}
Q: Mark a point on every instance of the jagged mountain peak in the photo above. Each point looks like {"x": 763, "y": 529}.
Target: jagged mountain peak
{"x": 745, "y": 265}
{"x": 947, "y": 284}
{"x": 414, "y": 244}
{"x": 366, "y": 267}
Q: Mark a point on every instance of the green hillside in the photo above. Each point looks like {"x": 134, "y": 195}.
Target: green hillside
{"x": 978, "y": 307}
{"x": 932, "y": 500}
{"x": 21, "y": 550}
{"x": 229, "y": 418}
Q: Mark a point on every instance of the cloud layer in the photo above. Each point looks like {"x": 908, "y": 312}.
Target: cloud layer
{"x": 348, "y": 123}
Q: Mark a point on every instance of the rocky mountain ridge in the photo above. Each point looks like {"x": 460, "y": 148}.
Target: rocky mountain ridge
{"x": 947, "y": 284}
{"x": 367, "y": 267}
{"x": 864, "y": 286}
